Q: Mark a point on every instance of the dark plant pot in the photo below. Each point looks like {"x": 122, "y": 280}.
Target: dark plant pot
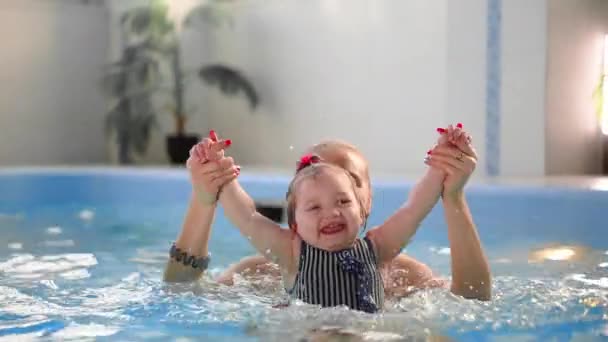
{"x": 178, "y": 147}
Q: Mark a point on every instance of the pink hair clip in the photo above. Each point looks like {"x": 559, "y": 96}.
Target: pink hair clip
{"x": 307, "y": 160}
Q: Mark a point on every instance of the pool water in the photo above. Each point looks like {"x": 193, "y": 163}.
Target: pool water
{"x": 82, "y": 254}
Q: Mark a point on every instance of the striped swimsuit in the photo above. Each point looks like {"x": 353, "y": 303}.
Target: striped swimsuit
{"x": 349, "y": 277}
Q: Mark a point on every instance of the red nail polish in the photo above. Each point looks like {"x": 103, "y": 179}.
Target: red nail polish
{"x": 228, "y": 142}
{"x": 459, "y": 125}
{"x": 441, "y": 130}
{"x": 211, "y": 132}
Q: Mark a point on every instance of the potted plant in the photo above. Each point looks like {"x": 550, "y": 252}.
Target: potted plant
{"x": 151, "y": 45}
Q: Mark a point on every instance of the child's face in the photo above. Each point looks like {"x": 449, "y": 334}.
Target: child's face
{"x": 327, "y": 213}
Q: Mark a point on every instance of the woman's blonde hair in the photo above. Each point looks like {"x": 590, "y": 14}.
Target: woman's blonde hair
{"x": 313, "y": 169}
{"x": 340, "y": 145}
{"x": 343, "y": 147}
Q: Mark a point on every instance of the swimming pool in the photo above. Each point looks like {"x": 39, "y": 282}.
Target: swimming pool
{"x": 82, "y": 253}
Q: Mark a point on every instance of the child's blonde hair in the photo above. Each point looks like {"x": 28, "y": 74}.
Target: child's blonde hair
{"x": 313, "y": 169}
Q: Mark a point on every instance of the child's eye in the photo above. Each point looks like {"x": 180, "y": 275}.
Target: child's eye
{"x": 345, "y": 201}
{"x": 314, "y": 207}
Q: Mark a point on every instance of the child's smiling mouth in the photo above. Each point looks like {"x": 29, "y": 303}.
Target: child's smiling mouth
{"x": 333, "y": 228}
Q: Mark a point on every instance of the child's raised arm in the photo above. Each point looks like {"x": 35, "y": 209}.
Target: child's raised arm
{"x": 265, "y": 235}
{"x": 392, "y": 235}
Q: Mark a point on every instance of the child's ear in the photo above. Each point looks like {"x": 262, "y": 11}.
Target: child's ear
{"x": 294, "y": 226}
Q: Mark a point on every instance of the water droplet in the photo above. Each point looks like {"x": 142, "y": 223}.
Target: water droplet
{"x": 15, "y": 245}
{"x": 86, "y": 215}
{"x": 291, "y": 147}
{"x": 471, "y": 287}
{"x": 54, "y": 230}
{"x": 49, "y": 283}
{"x": 59, "y": 243}
{"x": 469, "y": 317}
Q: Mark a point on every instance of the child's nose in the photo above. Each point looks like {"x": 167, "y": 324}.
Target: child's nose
{"x": 333, "y": 211}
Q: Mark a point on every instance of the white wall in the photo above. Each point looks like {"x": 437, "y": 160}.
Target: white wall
{"x": 575, "y": 48}
{"x": 382, "y": 74}
{"x": 51, "y": 110}
{"x": 523, "y": 87}
{"x": 370, "y": 72}
{"x": 466, "y": 70}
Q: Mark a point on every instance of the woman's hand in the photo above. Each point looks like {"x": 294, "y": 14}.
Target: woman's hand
{"x": 209, "y": 169}
{"x": 457, "y": 158}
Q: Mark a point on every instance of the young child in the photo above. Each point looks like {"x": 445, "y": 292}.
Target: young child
{"x": 320, "y": 257}
{"x": 404, "y": 273}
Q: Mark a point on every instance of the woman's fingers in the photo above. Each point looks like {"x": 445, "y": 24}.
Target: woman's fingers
{"x": 194, "y": 153}
{"x": 448, "y": 160}
{"x": 464, "y": 151}
{"x": 202, "y": 149}
{"x": 221, "y": 164}
{"x": 216, "y": 146}
{"x": 225, "y": 177}
{"x": 443, "y": 136}
{"x": 440, "y": 165}
{"x": 219, "y": 146}
{"x": 213, "y": 135}
{"x": 452, "y": 151}
{"x": 454, "y": 157}
{"x": 200, "y": 152}
{"x": 464, "y": 144}
{"x": 219, "y": 182}
{"x": 457, "y": 133}
{"x": 225, "y": 172}
{"x": 226, "y": 162}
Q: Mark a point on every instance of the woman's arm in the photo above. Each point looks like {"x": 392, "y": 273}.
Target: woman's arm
{"x": 194, "y": 239}
{"x": 471, "y": 276}
{"x": 249, "y": 266}
{"x": 470, "y": 269}
{"x": 196, "y": 229}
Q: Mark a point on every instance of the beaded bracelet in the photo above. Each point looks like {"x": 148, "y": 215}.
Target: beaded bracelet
{"x": 189, "y": 260}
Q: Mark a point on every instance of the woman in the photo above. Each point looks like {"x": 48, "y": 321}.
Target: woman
{"x": 454, "y": 155}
